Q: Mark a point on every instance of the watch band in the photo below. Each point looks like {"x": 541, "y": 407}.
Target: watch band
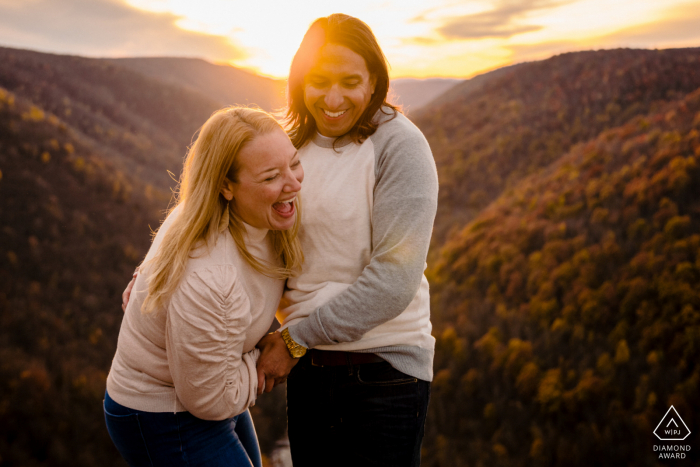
{"x": 295, "y": 350}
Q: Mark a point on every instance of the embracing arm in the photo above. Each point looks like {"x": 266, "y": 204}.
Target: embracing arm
{"x": 205, "y": 332}
{"x": 405, "y": 202}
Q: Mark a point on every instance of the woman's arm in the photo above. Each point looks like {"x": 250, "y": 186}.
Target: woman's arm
{"x": 207, "y": 319}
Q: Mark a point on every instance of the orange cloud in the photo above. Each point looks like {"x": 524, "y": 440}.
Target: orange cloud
{"x": 105, "y": 28}
{"x": 680, "y": 27}
{"x": 501, "y": 21}
{"x": 677, "y": 28}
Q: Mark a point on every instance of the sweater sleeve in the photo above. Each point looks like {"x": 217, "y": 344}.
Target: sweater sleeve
{"x": 403, "y": 212}
{"x": 208, "y": 316}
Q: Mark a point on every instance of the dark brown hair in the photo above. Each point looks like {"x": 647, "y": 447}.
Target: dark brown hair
{"x": 354, "y": 34}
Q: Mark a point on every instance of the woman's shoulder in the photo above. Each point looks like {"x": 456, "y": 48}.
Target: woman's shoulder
{"x": 213, "y": 285}
{"x": 218, "y": 253}
{"x": 213, "y": 275}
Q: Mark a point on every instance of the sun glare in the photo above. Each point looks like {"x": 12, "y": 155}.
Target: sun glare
{"x": 445, "y": 38}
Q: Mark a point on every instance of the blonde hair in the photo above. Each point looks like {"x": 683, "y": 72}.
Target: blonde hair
{"x": 202, "y": 209}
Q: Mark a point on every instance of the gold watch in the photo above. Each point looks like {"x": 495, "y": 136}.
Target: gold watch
{"x": 295, "y": 350}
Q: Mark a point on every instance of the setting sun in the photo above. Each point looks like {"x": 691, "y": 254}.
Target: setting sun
{"x": 456, "y": 39}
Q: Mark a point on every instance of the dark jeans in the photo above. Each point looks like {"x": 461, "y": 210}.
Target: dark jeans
{"x": 368, "y": 415}
{"x": 180, "y": 439}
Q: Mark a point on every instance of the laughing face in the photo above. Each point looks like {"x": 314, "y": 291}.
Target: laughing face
{"x": 268, "y": 181}
{"x": 337, "y": 89}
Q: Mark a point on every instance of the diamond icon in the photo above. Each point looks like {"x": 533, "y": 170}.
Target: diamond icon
{"x": 672, "y": 427}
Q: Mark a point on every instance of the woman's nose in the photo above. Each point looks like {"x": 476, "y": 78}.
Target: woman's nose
{"x": 333, "y": 98}
{"x": 294, "y": 182}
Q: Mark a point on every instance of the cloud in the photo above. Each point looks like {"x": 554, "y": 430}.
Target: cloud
{"x": 677, "y": 28}
{"x": 500, "y": 22}
{"x": 420, "y": 40}
{"x": 104, "y": 28}
{"x": 542, "y": 49}
{"x": 681, "y": 28}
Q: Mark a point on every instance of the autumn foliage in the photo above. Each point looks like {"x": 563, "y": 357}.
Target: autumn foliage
{"x": 568, "y": 312}
{"x": 487, "y": 134}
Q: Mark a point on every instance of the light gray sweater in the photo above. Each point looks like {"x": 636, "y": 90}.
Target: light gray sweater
{"x": 367, "y": 218}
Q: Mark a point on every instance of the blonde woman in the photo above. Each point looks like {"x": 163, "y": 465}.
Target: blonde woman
{"x": 184, "y": 372}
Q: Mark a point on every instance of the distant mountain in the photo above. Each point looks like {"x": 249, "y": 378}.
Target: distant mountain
{"x": 141, "y": 125}
{"x": 463, "y": 88}
{"x": 413, "y": 93}
{"x": 526, "y": 117}
{"x": 224, "y": 84}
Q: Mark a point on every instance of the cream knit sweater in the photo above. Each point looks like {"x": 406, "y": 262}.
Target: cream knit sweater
{"x": 198, "y": 353}
{"x": 365, "y": 231}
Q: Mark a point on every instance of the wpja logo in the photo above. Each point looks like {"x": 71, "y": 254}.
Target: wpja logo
{"x": 671, "y": 428}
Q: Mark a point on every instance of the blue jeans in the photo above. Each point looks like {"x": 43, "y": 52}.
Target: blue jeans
{"x": 180, "y": 439}
{"x": 369, "y": 415}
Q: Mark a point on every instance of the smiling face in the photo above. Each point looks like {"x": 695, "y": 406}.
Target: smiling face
{"x": 268, "y": 180}
{"x": 337, "y": 89}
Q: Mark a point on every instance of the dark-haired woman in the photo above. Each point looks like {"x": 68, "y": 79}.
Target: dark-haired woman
{"x": 361, "y": 304}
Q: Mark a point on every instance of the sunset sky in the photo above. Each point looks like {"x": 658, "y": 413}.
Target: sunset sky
{"x": 454, "y": 38}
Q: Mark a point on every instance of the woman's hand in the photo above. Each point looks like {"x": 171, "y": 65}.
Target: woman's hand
{"x": 127, "y": 292}
{"x": 274, "y": 363}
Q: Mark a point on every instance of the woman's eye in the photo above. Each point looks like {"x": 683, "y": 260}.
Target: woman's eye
{"x": 296, "y": 164}
{"x": 269, "y": 179}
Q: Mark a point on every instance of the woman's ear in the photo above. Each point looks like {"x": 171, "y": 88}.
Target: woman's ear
{"x": 227, "y": 189}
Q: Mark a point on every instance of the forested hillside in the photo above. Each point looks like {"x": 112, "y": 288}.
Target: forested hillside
{"x": 568, "y": 311}
{"x": 524, "y": 118}
{"x": 141, "y": 124}
{"x": 72, "y": 228}
{"x": 220, "y": 83}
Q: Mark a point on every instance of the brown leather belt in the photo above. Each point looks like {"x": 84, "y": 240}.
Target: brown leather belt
{"x": 337, "y": 358}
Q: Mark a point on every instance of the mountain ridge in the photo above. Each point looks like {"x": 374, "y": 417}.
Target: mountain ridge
{"x": 541, "y": 110}
{"x": 224, "y": 84}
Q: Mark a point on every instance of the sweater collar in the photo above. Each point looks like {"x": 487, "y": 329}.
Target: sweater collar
{"x": 327, "y": 142}
{"x": 250, "y": 234}
{"x": 254, "y": 234}
{"x": 381, "y": 116}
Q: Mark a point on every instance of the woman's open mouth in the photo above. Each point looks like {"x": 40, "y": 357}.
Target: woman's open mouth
{"x": 285, "y": 208}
